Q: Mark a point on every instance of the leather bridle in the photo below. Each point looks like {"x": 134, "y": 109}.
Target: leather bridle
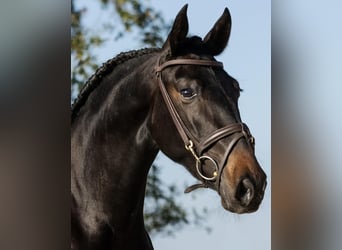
{"x": 197, "y": 146}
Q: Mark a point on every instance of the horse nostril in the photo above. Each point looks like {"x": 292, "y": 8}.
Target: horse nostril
{"x": 245, "y": 192}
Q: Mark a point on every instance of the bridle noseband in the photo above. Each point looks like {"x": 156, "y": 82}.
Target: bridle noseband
{"x": 198, "y": 145}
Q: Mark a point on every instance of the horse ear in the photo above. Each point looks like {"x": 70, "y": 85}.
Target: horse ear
{"x": 178, "y": 32}
{"x": 217, "y": 38}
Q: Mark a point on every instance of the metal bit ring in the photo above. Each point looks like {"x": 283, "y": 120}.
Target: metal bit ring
{"x": 198, "y": 164}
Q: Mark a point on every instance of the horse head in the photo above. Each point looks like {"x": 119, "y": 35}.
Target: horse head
{"x": 195, "y": 119}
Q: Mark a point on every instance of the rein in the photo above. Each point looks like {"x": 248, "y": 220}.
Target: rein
{"x": 198, "y": 145}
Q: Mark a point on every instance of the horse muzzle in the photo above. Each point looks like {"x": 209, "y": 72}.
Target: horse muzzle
{"x": 243, "y": 182}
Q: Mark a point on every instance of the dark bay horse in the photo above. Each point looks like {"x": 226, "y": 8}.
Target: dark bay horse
{"x": 177, "y": 99}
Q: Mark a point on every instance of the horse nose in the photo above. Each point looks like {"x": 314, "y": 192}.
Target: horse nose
{"x": 245, "y": 192}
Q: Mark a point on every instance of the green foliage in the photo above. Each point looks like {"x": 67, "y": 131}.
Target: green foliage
{"x": 162, "y": 213}
{"x": 82, "y": 44}
{"x": 133, "y": 15}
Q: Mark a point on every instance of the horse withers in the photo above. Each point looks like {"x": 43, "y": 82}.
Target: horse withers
{"x": 177, "y": 99}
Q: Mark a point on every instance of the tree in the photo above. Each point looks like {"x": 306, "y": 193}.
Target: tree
{"x": 162, "y": 212}
{"x": 133, "y": 14}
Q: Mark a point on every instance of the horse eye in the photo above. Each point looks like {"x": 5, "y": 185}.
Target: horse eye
{"x": 188, "y": 93}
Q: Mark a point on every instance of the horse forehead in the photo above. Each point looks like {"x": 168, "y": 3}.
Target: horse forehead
{"x": 194, "y": 72}
{"x": 206, "y": 75}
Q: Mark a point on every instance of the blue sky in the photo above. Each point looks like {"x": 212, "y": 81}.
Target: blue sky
{"x": 248, "y": 59}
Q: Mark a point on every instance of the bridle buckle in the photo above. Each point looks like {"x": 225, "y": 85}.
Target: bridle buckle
{"x": 190, "y": 147}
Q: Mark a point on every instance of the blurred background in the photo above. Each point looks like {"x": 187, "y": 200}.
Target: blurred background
{"x": 306, "y": 120}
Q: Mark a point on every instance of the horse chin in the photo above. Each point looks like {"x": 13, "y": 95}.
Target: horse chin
{"x": 225, "y": 205}
{"x": 235, "y": 207}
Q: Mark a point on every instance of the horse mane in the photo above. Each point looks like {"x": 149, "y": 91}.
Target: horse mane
{"x": 95, "y": 80}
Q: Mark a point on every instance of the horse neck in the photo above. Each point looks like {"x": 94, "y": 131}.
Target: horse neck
{"x": 112, "y": 147}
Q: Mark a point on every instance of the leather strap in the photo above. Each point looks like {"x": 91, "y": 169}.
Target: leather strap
{"x": 219, "y": 134}
{"x": 166, "y": 64}
{"x": 232, "y": 143}
{"x": 182, "y": 130}
{"x": 195, "y": 186}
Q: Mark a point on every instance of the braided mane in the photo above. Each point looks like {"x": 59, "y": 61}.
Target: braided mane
{"x": 96, "y": 78}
